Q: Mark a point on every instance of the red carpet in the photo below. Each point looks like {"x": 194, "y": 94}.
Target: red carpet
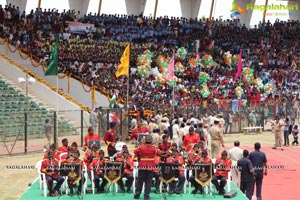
{"x": 282, "y": 181}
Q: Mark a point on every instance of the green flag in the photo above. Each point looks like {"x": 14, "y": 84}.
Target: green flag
{"x": 113, "y": 101}
{"x": 52, "y": 67}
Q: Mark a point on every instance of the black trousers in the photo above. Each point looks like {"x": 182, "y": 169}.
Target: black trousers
{"x": 286, "y": 138}
{"x": 156, "y": 176}
{"x": 295, "y": 141}
{"x": 247, "y": 188}
{"x": 219, "y": 187}
{"x": 59, "y": 182}
{"x": 258, "y": 183}
{"x": 97, "y": 182}
{"x": 181, "y": 180}
{"x": 195, "y": 183}
{"x": 128, "y": 182}
{"x": 145, "y": 176}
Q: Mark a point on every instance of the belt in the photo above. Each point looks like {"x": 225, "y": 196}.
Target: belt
{"x": 214, "y": 139}
{"x": 147, "y": 159}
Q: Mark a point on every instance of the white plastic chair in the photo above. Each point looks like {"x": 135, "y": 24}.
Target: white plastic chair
{"x": 42, "y": 178}
{"x": 228, "y": 180}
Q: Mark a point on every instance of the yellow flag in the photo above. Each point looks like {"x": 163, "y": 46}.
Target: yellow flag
{"x": 123, "y": 68}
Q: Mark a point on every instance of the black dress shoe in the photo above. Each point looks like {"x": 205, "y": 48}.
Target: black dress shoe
{"x": 157, "y": 191}
{"x": 194, "y": 191}
{"x": 221, "y": 192}
{"x": 178, "y": 192}
{"x": 128, "y": 191}
{"x": 171, "y": 192}
{"x": 136, "y": 196}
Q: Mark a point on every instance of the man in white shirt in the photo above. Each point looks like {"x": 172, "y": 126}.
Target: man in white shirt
{"x": 175, "y": 131}
{"x": 235, "y": 153}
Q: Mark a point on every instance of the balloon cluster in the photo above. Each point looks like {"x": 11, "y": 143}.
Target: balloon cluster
{"x": 206, "y": 60}
{"x": 203, "y": 77}
{"x": 235, "y": 59}
{"x": 181, "y": 53}
{"x": 268, "y": 88}
{"x": 179, "y": 67}
{"x": 227, "y": 58}
{"x": 139, "y": 20}
{"x": 238, "y": 91}
{"x": 144, "y": 63}
{"x": 258, "y": 83}
{"x": 161, "y": 72}
{"x": 248, "y": 74}
{"x": 205, "y": 91}
{"x": 194, "y": 62}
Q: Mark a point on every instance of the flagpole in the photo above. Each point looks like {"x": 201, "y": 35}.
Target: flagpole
{"x": 57, "y": 121}
{"x": 127, "y": 98}
{"x": 173, "y": 101}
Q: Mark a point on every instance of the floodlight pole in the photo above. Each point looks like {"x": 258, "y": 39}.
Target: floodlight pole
{"x": 26, "y": 117}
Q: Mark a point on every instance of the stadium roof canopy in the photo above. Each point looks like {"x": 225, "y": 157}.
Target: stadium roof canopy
{"x": 250, "y": 12}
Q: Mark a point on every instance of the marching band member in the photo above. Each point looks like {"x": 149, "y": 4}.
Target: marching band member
{"x": 177, "y": 159}
{"x": 203, "y": 159}
{"x": 193, "y": 156}
{"x": 64, "y": 148}
{"x": 75, "y": 176}
{"x": 146, "y": 154}
{"x": 156, "y": 174}
{"x": 190, "y": 139}
{"x": 50, "y": 167}
{"x": 222, "y": 166}
{"x": 91, "y": 136}
{"x": 139, "y": 130}
{"x": 164, "y": 147}
{"x": 124, "y": 148}
{"x": 97, "y": 166}
{"x": 55, "y": 152}
{"x": 90, "y": 154}
{"x": 110, "y": 138}
{"x": 128, "y": 170}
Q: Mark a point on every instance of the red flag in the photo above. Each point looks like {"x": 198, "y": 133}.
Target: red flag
{"x": 171, "y": 69}
{"x": 239, "y": 68}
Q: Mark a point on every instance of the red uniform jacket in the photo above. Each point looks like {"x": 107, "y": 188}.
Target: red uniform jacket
{"x": 222, "y": 167}
{"x": 157, "y": 161}
{"x": 146, "y": 154}
{"x": 109, "y": 137}
{"x": 88, "y": 158}
{"x": 56, "y": 155}
{"x": 53, "y": 166}
{"x": 180, "y": 162}
{"x": 135, "y": 132}
{"x": 190, "y": 140}
{"x": 98, "y": 165}
{"x": 64, "y": 149}
{"x": 87, "y": 138}
{"x": 192, "y": 158}
{"x": 164, "y": 147}
{"x": 128, "y": 164}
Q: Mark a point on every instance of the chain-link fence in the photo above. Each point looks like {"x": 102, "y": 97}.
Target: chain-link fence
{"x": 236, "y": 113}
{"x": 23, "y": 132}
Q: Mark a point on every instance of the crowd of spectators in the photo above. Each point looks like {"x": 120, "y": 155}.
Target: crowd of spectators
{"x": 271, "y": 50}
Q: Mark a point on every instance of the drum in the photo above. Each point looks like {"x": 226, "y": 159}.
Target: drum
{"x": 119, "y": 146}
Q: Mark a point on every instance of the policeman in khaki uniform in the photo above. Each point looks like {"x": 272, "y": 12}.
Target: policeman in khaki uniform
{"x": 216, "y": 138}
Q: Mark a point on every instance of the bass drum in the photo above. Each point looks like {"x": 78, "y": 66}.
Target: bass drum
{"x": 119, "y": 146}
